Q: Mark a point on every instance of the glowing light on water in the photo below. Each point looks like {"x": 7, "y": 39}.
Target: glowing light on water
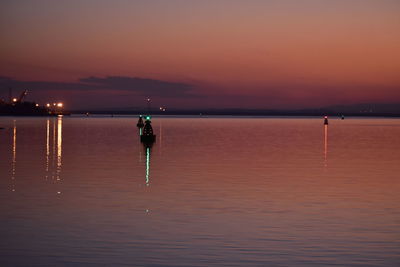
{"x": 53, "y": 153}
{"x": 326, "y": 144}
{"x": 59, "y": 147}
{"x": 14, "y": 149}
{"x": 147, "y": 166}
{"x": 47, "y": 146}
{"x": 14, "y": 155}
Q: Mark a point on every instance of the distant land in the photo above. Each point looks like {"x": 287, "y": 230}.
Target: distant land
{"x": 381, "y": 110}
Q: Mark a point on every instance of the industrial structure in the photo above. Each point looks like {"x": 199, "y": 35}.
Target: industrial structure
{"x": 17, "y": 106}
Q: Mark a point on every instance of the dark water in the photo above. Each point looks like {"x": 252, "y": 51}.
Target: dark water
{"x": 211, "y": 192}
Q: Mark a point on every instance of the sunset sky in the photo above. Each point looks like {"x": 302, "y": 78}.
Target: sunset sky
{"x": 203, "y": 54}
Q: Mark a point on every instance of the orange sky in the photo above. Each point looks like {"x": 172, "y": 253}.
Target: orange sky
{"x": 285, "y": 52}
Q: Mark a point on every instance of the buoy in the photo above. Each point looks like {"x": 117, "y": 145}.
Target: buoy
{"x": 326, "y": 120}
{"x": 147, "y": 136}
{"x": 342, "y": 117}
{"x": 140, "y": 123}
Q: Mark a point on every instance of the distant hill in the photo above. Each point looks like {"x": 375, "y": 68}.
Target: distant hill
{"x": 390, "y": 110}
{"x": 358, "y": 109}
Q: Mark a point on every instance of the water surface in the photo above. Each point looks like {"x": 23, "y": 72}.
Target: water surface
{"x": 78, "y": 191}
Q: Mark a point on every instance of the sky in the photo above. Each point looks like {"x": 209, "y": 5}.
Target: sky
{"x": 201, "y": 54}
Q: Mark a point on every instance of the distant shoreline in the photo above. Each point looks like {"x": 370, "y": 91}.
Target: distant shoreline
{"x": 205, "y": 115}
{"x": 230, "y": 113}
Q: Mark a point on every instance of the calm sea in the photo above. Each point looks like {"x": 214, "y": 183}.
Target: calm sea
{"x": 83, "y": 191}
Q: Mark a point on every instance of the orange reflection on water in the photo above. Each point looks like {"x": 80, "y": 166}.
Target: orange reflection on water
{"x": 53, "y": 150}
{"x": 160, "y": 139}
{"x": 14, "y": 156}
{"x": 59, "y": 147}
{"x": 47, "y": 146}
{"x": 326, "y": 145}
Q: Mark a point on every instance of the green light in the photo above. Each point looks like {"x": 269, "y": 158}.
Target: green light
{"x": 148, "y": 118}
{"x": 147, "y": 166}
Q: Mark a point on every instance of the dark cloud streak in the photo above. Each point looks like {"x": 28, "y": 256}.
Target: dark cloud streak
{"x": 140, "y": 86}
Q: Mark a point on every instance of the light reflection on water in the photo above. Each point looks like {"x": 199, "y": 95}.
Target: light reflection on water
{"x": 14, "y": 156}
{"x": 326, "y": 144}
{"x": 59, "y": 147}
{"x": 224, "y": 191}
{"x": 53, "y": 150}
{"x": 148, "y": 149}
{"x": 47, "y": 146}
